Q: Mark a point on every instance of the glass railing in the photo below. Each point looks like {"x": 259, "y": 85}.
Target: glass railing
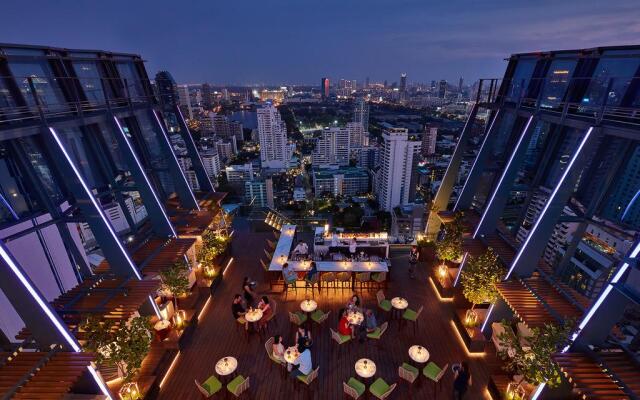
{"x": 31, "y": 97}
{"x": 614, "y": 99}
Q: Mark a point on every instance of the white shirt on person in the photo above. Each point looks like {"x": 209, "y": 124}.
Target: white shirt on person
{"x": 304, "y": 362}
{"x": 352, "y": 246}
{"x": 301, "y": 248}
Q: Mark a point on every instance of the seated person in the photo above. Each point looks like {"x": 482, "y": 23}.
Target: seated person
{"x": 238, "y": 310}
{"x": 343, "y": 325}
{"x": 278, "y": 348}
{"x": 301, "y": 249}
{"x": 266, "y": 311}
{"x": 312, "y": 272}
{"x": 303, "y": 362}
{"x": 289, "y": 274}
{"x": 354, "y": 304}
{"x": 303, "y": 335}
{"x": 370, "y": 321}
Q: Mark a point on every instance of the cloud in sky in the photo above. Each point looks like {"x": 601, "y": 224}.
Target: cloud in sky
{"x": 298, "y": 41}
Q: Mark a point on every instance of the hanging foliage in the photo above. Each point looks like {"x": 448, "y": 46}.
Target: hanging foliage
{"x": 213, "y": 245}
{"x": 534, "y": 361}
{"x": 176, "y": 279}
{"x": 124, "y": 347}
{"x": 449, "y": 248}
{"x": 479, "y": 277}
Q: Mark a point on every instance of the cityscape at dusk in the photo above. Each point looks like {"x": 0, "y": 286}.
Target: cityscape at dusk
{"x": 320, "y": 200}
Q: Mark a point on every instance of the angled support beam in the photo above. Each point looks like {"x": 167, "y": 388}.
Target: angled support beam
{"x": 500, "y": 195}
{"x": 157, "y": 213}
{"x": 526, "y": 260}
{"x": 35, "y": 311}
{"x": 473, "y": 179}
{"x": 185, "y": 195}
{"x": 117, "y": 256}
{"x": 196, "y": 161}
{"x": 443, "y": 195}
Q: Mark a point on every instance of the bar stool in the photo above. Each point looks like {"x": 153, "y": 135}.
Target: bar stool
{"x": 310, "y": 283}
{"x": 363, "y": 278}
{"x": 329, "y": 279}
{"x": 344, "y": 278}
{"x": 379, "y": 279}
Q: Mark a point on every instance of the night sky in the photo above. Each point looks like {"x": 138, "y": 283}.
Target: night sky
{"x": 299, "y": 41}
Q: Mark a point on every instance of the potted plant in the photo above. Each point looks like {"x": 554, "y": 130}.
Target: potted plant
{"x": 175, "y": 279}
{"x": 533, "y": 362}
{"x": 449, "y": 248}
{"x": 124, "y": 347}
{"x": 214, "y": 245}
{"x": 479, "y": 278}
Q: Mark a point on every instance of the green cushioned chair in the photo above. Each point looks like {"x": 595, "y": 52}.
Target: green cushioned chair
{"x": 319, "y": 316}
{"x": 434, "y": 373}
{"x": 209, "y": 387}
{"x": 377, "y": 334}
{"x": 298, "y": 317}
{"x": 411, "y": 368}
{"x": 410, "y": 315}
{"x": 307, "y": 379}
{"x": 354, "y": 388}
{"x": 383, "y": 303}
{"x": 238, "y": 385}
{"x": 380, "y": 389}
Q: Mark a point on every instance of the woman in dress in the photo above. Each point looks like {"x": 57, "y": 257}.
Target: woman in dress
{"x": 278, "y": 348}
{"x": 413, "y": 260}
{"x": 303, "y": 335}
{"x": 266, "y": 312}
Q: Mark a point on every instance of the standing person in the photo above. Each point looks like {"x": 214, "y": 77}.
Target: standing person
{"x": 353, "y": 245}
{"x": 462, "y": 381}
{"x": 301, "y": 249}
{"x": 413, "y": 260}
{"x": 249, "y": 294}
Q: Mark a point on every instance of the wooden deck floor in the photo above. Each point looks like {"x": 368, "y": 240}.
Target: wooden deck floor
{"x": 217, "y": 336}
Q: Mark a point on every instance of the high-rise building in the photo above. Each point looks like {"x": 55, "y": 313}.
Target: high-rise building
{"x": 324, "y": 88}
{"x": 184, "y": 98}
{"x": 207, "y": 96}
{"x": 403, "y": 87}
{"x": 333, "y": 147}
{"x": 552, "y": 193}
{"x": 344, "y": 181}
{"x": 167, "y": 90}
{"x": 274, "y": 151}
{"x": 366, "y": 83}
{"x": 397, "y": 158}
{"x": 361, "y": 113}
{"x": 86, "y": 166}
{"x": 433, "y": 86}
{"x": 442, "y": 89}
{"x": 429, "y": 139}
{"x": 357, "y": 136}
{"x": 346, "y": 87}
{"x": 460, "y": 83}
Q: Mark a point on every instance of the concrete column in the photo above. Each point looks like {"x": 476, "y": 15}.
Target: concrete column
{"x": 159, "y": 218}
{"x": 473, "y": 179}
{"x": 113, "y": 250}
{"x": 495, "y": 205}
{"x": 196, "y": 161}
{"x": 35, "y": 311}
{"x": 443, "y": 195}
{"x": 531, "y": 250}
{"x": 185, "y": 195}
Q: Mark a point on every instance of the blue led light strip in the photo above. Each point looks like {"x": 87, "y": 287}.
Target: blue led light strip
{"x": 464, "y": 260}
{"x": 504, "y": 172}
{"x": 144, "y": 175}
{"x": 556, "y": 189}
{"x": 473, "y": 166}
{"x": 486, "y": 318}
{"x": 164, "y": 135}
{"x": 194, "y": 146}
{"x": 38, "y": 298}
{"x": 94, "y": 202}
{"x": 633, "y": 200}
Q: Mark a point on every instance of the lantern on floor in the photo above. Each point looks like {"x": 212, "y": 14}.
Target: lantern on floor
{"x": 442, "y": 272}
{"x": 515, "y": 391}
{"x": 179, "y": 320}
{"x": 470, "y": 318}
{"x": 130, "y": 391}
{"x": 209, "y": 272}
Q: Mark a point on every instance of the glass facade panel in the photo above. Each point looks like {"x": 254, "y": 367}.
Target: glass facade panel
{"x": 610, "y": 81}
{"x": 13, "y": 201}
{"x": 33, "y": 148}
{"x": 555, "y": 86}
{"x": 520, "y": 79}
{"x": 47, "y": 87}
{"x": 89, "y": 78}
{"x": 623, "y": 200}
{"x": 6, "y": 99}
{"x": 75, "y": 144}
{"x": 131, "y": 79}
{"x": 562, "y": 157}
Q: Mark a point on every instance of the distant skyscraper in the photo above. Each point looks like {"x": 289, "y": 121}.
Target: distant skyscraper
{"x": 361, "y": 113}
{"x": 274, "y": 151}
{"x": 398, "y": 158}
{"x": 324, "y": 88}
{"x": 207, "y": 96}
{"x": 442, "y": 89}
{"x": 357, "y": 136}
{"x": 167, "y": 90}
{"x": 403, "y": 87}
{"x": 433, "y": 86}
{"x": 460, "y": 83}
{"x": 366, "y": 83}
{"x": 429, "y": 138}
{"x": 184, "y": 98}
{"x": 346, "y": 87}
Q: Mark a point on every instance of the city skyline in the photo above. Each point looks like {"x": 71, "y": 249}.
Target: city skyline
{"x": 224, "y": 44}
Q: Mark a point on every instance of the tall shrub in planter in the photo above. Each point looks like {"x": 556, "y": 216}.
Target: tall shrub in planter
{"x": 450, "y": 247}
{"x": 479, "y": 278}
{"x": 176, "y": 280}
